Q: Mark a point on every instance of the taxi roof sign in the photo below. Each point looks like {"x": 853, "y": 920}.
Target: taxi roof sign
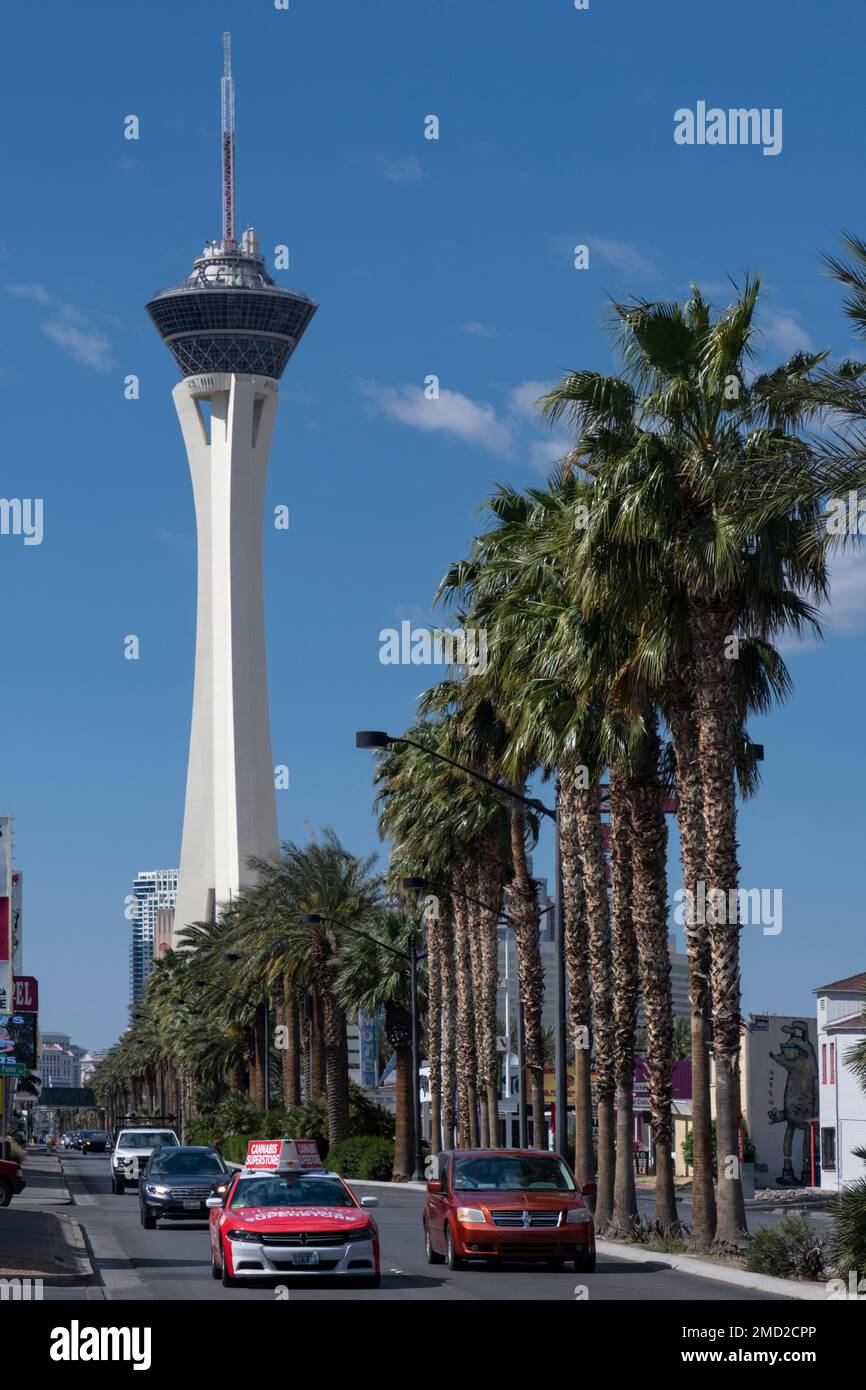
{"x": 283, "y": 1155}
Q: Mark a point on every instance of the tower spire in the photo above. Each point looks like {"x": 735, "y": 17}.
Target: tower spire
{"x": 227, "y": 88}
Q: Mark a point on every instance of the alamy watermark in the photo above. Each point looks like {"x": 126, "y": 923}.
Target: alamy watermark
{"x": 752, "y": 907}
{"x": 22, "y": 516}
{"x": 421, "y": 646}
{"x": 739, "y": 125}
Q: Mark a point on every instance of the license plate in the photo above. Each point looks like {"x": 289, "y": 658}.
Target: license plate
{"x": 305, "y": 1257}
{"x": 192, "y": 1206}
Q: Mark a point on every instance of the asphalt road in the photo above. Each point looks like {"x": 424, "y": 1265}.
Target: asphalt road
{"x": 173, "y": 1262}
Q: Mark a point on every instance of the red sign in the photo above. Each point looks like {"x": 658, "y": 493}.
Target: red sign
{"x": 26, "y": 995}
{"x": 270, "y": 1154}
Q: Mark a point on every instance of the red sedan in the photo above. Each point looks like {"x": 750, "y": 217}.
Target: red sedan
{"x": 507, "y": 1204}
{"x": 270, "y": 1224}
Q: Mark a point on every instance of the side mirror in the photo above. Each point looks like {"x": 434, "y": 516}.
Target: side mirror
{"x": 213, "y": 1202}
{"x": 369, "y": 1201}
{"x": 434, "y": 1187}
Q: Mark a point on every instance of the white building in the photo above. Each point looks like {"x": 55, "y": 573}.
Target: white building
{"x": 842, "y": 1100}
{"x": 153, "y": 891}
{"x": 59, "y": 1065}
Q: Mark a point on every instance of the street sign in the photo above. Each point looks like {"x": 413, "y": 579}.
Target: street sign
{"x": 12, "y": 1068}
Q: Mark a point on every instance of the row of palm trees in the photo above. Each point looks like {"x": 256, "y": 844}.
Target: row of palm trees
{"x": 632, "y": 606}
{"x": 262, "y": 996}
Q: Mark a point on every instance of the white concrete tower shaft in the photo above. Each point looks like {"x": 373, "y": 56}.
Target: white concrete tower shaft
{"x": 230, "y": 809}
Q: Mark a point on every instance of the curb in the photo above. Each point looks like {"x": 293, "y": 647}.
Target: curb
{"x": 722, "y": 1274}
{"x": 70, "y": 1200}
{"x": 81, "y": 1268}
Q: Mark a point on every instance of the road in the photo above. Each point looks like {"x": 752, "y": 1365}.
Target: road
{"x": 173, "y": 1262}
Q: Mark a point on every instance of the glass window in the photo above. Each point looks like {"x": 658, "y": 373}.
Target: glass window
{"x": 832, "y": 1063}
{"x": 302, "y": 1190}
{"x": 145, "y": 1139}
{"x": 186, "y": 1165}
{"x": 493, "y": 1174}
{"x": 828, "y": 1150}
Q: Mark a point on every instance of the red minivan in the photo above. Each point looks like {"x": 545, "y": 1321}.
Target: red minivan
{"x": 507, "y": 1204}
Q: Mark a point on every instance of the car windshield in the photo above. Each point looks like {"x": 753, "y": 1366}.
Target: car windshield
{"x": 185, "y": 1165}
{"x": 304, "y": 1190}
{"x": 94, "y": 1134}
{"x": 512, "y": 1175}
{"x": 146, "y": 1139}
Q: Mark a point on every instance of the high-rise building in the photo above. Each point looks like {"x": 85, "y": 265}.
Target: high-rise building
{"x": 153, "y": 891}
{"x": 231, "y": 331}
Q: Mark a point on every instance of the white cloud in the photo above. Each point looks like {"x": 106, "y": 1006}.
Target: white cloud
{"x": 405, "y": 170}
{"x": 847, "y": 608}
{"x": 68, "y": 327}
{"x": 622, "y": 256}
{"x": 783, "y": 331}
{"x": 544, "y": 453}
{"x": 479, "y": 330}
{"x": 524, "y": 397}
{"x": 87, "y": 346}
{"x": 453, "y": 413}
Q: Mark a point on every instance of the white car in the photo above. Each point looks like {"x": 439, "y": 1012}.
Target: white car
{"x": 131, "y": 1151}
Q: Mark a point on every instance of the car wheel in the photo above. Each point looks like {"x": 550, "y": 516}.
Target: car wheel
{"x": 229, "y": 1280}
{"x": 216, "y": 1272}
{"x": 586, "y": 1265}
{"x": 5, "y": 1192}
{"x": 455, "y": 1261}
{"x": 432, "y": 1257}
{"x": 148, "y": 1222}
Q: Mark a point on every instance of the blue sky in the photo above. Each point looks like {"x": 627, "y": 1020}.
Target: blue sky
{"x": 449, "y": 257}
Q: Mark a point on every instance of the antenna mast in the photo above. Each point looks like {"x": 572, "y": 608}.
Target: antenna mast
{"x": 227, "y": 87}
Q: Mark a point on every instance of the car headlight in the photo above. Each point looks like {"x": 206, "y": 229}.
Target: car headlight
{"x": 471, "y": 1216}
{"x": 577, "y": 1214}
{"x": 365, "y": 1233}
{"x": 157, "y": 1190}
{"x": 252, "y": 1236}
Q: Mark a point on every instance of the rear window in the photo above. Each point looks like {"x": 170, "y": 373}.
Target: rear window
{"x": 146, "y": 1139}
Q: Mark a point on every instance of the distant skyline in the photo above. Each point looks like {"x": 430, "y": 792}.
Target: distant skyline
{"x": 451, "y": 258}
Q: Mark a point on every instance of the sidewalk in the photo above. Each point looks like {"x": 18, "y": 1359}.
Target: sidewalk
{"x": 38, "y": 1240}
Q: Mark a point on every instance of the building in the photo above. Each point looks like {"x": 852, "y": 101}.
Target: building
{"x": 842, "y": 1099}
{"x": 231, "y": 331}
{"x": 88, "y": 1065}
{"x": 779, "y": 1097}
{"x": 59, "y": 1065}
{"x": 153, "y": 891}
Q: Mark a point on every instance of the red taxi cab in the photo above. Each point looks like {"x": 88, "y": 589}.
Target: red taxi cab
{"x": 284, "y": 1214}
{"x": 507, "y": 1204}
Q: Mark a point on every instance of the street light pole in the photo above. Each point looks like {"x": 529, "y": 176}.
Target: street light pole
{"x": 418, "y": 1174}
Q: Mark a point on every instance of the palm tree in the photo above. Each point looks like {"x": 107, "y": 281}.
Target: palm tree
{"x": 711, "y": 444}
{"x": 373, "y": 974}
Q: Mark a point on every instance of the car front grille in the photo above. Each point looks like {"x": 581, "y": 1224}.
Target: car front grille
{"x": 199, "y": 1192}
{"x": 515, "y": 1219}
{"x": 289, "y": 1268}
{"x": 299, "y": 1239}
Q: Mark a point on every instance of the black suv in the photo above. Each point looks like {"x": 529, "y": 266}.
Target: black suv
{"x": 177, "y": 1182}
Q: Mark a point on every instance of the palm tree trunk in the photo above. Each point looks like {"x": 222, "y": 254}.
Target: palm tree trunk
{"x": 625, "y": 993}
{"x": 473, "y": 913}
{"x": 718, "y": 727}
{"x": 318, "y": 1080}
{"x": 257, "y": 1070}
{"x": 589, "y": 837}
{"x": 292, "y": 1053}
{"x": 434, "y": 1029}
{"x": 465, "y": 1045}
{"x": 404, "y": 1135}
{"x": 523, "y": 911}
{"x": 690, "y": 814}
{"x": 649, "y": 912}
{"x": 577, "y": 969}
{"x": 489, "y": 890}
{"x": 449, "y": 1030}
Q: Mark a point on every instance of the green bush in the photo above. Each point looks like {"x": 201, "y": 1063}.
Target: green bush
{"x": 791, "y": 1250}
{"x": 847, "y": 1248}
{"x": 363, "y": 1156}
{"x": 687, "y": 1147}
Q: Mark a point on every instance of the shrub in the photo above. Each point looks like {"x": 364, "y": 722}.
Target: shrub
{"x": 687, "y": 1147}
{"x": 847, "y": 1248}
{"x": 364, "y": 1156}
{"x": 791, "y": 1250}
